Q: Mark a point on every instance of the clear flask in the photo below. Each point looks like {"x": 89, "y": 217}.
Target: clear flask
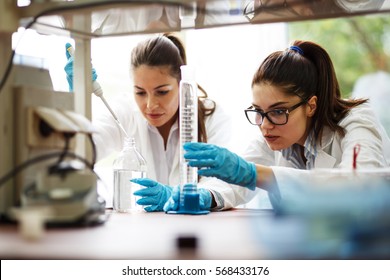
{"x": 128, "y": 165}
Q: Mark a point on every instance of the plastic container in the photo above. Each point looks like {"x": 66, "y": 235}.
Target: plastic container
{"x": 128, "y": 165}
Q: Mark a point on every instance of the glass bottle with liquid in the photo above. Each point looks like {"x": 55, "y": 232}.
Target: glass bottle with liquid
{"x": 128, "y": 165}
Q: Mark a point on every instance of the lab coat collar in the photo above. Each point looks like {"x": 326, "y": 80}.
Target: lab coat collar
{"x": 155, "y": 130}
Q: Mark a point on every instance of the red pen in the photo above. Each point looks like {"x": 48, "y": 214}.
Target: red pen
{"x": 356, "y": 150}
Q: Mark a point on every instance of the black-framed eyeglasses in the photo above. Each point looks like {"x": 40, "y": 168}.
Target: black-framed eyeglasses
{"x": 276, "y": 116}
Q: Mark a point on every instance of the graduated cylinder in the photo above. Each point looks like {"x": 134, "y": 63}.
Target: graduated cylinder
{"x": 188, "y": 130}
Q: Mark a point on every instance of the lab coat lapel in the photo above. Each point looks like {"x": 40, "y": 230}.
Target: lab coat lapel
{"x": 324, "y": 158}
{"x": 146, "y": 151}
{"x": 174, "y": 175}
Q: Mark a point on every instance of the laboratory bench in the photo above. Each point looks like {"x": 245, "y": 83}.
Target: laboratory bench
{"x": 142, "y": 235}
{"x": 236, "y": 234}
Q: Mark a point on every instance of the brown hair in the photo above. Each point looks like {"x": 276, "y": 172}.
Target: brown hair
{"x": 168, "y": 50}
{"x": 308, "y": 71}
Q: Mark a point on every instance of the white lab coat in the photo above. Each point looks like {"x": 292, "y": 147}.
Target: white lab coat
{"x": 376, "y": 87}
{"x": 361, "y": 126}
{"x": 109, "y": 138}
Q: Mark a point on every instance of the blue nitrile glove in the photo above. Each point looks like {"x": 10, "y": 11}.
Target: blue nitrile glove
{"x": 219, "y": 162}
{"x": 154, "y": 195}
{"x": 173, "y": 202}
{"x": 69, "y": 67}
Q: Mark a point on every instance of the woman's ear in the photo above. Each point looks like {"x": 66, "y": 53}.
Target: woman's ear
{"x": 312, "y": 106}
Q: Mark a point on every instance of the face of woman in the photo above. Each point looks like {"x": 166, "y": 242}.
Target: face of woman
{"x": 278, "y": 137}
{"x": 157, "y": 95}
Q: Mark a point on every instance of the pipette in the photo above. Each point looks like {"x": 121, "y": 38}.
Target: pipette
{"x": 98, "y": 91}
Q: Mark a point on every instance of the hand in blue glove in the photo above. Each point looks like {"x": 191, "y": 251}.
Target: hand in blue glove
{"x": 174, "y": 201}
{"x": 154, "y": 194}
{"x": 69, "y": 67}
{"x": 219, "y": 162}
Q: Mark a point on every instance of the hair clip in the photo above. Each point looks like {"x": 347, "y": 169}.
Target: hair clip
{"x": 297, "y": 49}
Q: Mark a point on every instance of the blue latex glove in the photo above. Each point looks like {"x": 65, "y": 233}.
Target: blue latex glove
{"x": 173, "y": 202}
{"x": 69, "y": 67}
{"x": 219, "y": 162}
{"x": 154, "y": 195}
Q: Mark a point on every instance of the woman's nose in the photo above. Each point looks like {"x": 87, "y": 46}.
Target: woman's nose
{"x": 152, "y": 103}
{"x": 266, "y": 124}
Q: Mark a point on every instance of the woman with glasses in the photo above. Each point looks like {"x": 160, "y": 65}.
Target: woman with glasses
{"x": 304, "y": 123}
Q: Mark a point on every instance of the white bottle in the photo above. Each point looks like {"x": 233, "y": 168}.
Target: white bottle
{"x": 128, "y": 165}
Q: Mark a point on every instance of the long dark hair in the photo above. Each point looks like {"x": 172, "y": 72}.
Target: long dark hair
{"x": 308, "y": 71}
{"x": 168, "y": 50}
